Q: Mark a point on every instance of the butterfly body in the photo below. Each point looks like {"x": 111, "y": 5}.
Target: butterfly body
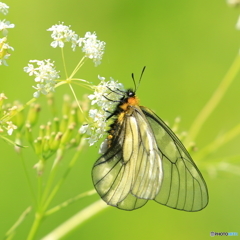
{"x": 145, "y": 161}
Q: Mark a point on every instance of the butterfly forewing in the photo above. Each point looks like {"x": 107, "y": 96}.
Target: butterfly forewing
{"x": 130, "y": 172}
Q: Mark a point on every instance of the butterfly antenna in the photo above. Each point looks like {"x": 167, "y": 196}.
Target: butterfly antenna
{"x": 141, "y": 76}
{"x": 135, "y": 87}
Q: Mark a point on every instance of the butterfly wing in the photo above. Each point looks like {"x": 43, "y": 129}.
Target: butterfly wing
{"x": 130, "y": 172}
{"x": 147, "y": 161}
{"x": 183, "y": 186}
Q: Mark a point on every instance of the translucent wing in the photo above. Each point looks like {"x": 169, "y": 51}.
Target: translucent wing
{"x": 147, "y": 161}
{"x": 130, "y": 172}
{"x": 183, "y": 186}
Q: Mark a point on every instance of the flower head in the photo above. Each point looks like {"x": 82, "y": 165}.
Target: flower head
{"x": 4, "y": 8}
{"x": 105, "y": 97}
{"x": 61, "y": 34}
{"x": 45, "y": 75}
{"x": 92, "y": 47}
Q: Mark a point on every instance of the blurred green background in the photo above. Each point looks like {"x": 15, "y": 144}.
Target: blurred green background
{"x": 187, "y": 46}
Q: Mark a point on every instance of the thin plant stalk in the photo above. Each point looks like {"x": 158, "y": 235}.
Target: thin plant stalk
{"x": 213, "y": 101}
{"x": 68, "y": 202}
{"x": 220, "y": 141}
{"x": 75, "y": 221}
{"x": 64, "y": 63}
{"x": 10, "y": 233}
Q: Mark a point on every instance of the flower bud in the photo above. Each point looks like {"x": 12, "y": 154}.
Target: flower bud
{"x": 42, "y": 131}
{"x": 72, "y": 117}
{"x": 64, "y": 123}
{"x": 48, "y": 129}
{"x": 33, "y": 114}
{"x": 38, "y": 146}
{"x": 40, "y": 167}
{"x": 56, "y": 142}
{"x": 28, "y": 132}
{"x": 18, "y": 116}
{"x": 56, "y": 124}
{"x": 45, "y": 144}
{"x": 67, "y": 134}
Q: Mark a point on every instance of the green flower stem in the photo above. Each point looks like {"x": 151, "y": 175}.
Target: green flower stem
{"x": 76, "y": 221}
{"x": 35, "y": 226}
{"x": 39, "y": 191}
{"x": 62, "y": 180}
{"x": 10, "y": 233}
{"x": 64, "y": 63}
{"x": 48, "y": 186}
{"x": 213, "y": 101}
{"x": 220, "y": 141}
{"x": 59, "y": 184}
{"x": 81, "y": 62}
{"x": 75, "y": 97}
{"x": 28, "y": 180}
{"x": 68, "y": 202}
{"x": 51, "y": 177}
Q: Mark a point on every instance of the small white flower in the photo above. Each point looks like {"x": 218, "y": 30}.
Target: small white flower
{"x": 106, "y": 97}
{"x": 83, "y": 129}
{"x": 93, "y": 114}
{"x": 30, "y": 69}
{"x": 61, "y": 34}
{"x": 4, "y": 8}
{"x": 45, "y": 75}
{"x": 103, "y": 147}
{"x": 92, "y": 47}
{"x": 4, "y": 25}
{"x": 4, "y": 54}
{"x": 10, "y": 128}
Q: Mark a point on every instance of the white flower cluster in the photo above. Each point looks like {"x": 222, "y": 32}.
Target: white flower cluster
{"x": 106, "y": 97}
{"x": 4, "y": 25}
{"x": 45, "y": 75}
{"x": 9, "y": 126}
{"x": 91, "y": 46}
{"x": 61, "y": 34}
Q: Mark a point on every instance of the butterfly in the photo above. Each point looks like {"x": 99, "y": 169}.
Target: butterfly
{"x": 144, "y": 161}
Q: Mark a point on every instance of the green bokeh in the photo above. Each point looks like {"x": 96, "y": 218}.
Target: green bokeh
{"x": 187, "y": 46}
